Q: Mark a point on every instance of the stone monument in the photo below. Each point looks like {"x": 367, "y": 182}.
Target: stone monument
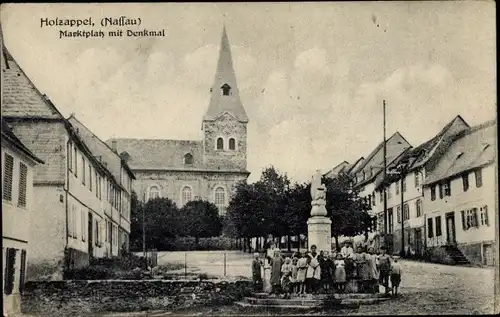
{"x": 319, "y": 226}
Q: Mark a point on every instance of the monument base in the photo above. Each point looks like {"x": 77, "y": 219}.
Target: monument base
{"x": 320, "y": 233}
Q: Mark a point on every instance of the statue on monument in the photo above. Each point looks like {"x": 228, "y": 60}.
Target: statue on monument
{"x": 318, "y": 190}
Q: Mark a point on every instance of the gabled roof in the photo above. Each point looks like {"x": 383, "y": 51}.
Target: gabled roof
{"x": 9, "y": 135}
{"x": 20, "y": 97}
{"x": 425, "y": 151}
{"x": 225, "y": 75}
{"x": 342, "y": 167}
{"x": 373, "y": 165}
{"x": 100, "y": 149}
{"x": 467, "y": 150}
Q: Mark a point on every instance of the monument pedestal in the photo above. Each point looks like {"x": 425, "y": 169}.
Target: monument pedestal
{"x": 320, "y": 233}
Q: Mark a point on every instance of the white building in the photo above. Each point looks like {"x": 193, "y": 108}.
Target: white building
{"x": 17, "y": 208}
{"x": 459, "y": 195}
{"x": 80, "y": 206}
{"x": 406, "y": 194}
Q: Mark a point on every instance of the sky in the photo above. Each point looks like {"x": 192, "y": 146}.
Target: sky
{"x": 312, "y": 76}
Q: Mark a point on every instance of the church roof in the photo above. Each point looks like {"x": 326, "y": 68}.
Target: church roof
{"x": 225, "y": 76}
{"x": 151, "y": 154}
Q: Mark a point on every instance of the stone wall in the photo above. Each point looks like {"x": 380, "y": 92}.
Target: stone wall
{"x": 72, "y": 298}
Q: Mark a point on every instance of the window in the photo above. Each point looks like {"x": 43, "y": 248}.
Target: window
{"x": 110, "y": 231}
{"x": 373, "y": 199}
{"x": 76, "y": 161}
{"x": 389, "y": 192}
{"x": 97, "y": 181}
{"x": 484, "y": 216}
{"x": 8, "y": 173}
{"x": 389, "y": 222}
{"x": 406, "y": 212}
{"x": 70, "y": 221}
{"x": 186, "y": 195}
{"x": 220, "y": 144}
{"x": 154, "y": 192}
{"x": 397, "y": 189}
{"x": 90, "y": 177}
{"x": 404, "y": 184}
{"x": 469, "y": 218}
{"x": 22, "y": 274}
{"x": 418, "y": 207}
{"x": 438, "y": 226}
{"x": 430, "y": 231}
{"x": 96, "y": 233}
{"x": 220, "y": 200}
{"x": 382, "y": 196}
{"x": 398, "y": 212}
{"x": 232, "y": 144}
{"x": 441, "y": 191}
{"x": 479, "y": 177}
{"x": 188, "y": 159}
{"x": 10, "y": 270}
{"x": 465, "y": 181}
{"x": 70, "y": 156}
{"x": 225, "y": 89}
{"x": 83, "y": 170}
{"x": 433, "y": 192}
{"x": 417, "y": 179}
{"x": 23, "y": 184}
{"x": 447, "y": 188}
{"x": 82, "y": 224}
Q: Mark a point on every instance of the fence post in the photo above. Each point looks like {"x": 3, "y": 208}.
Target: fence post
{"x": 225, "y": 264}
{"x": 185, "y": 264}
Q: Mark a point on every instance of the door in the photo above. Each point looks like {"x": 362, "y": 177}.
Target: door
{"x": 450, "y": 229}
{"x": 418, "y": 241}
{"x": 91, "y": 249}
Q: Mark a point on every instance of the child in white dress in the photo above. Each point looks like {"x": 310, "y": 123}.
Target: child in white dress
{"x": 267, "y": 288}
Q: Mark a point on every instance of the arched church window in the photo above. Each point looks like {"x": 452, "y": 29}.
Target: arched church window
{"x": 186, "y": 195}
{"x": 220, "y": 200}
{"x": 220, "y": 144}
{"x": 154, "y": 192}
{"x": 188, "y": 159}
{"x": 232, "y": 144}
{"x": 225, "y": 89}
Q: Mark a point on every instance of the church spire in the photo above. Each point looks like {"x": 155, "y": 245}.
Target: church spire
{"x": 225, "y": 95}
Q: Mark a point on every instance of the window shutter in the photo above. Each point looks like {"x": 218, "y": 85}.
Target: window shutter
{"x": 485, "y": 211}
{"x": 441, "y": 191}
{"x": 23, "y": 184}
{"x": 23, "y": 271}
{"x": 463, "y": 220}
{"x": 10, "y": 270}
{"x": 474, "y": 213}
{"x": 8, "y": 173}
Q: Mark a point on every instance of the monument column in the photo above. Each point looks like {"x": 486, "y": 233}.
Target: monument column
{"x": 319, "y": 226}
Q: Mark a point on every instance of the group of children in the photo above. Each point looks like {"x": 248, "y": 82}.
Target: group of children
{"x": 314, "y": 272}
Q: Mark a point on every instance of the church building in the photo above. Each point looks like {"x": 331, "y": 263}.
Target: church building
{"x": 206, "y": 169}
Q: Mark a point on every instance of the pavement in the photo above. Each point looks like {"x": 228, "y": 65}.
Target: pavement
{"x": 426, "y": 288}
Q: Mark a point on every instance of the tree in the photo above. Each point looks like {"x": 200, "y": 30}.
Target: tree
{"x": 200, "y": 219}
{"x": 161, "y": 222}
{"x": 346, "y": 209}
{"x": 135, "y": 222}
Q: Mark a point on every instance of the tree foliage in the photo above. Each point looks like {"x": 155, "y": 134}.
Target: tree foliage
{"x": 273, "y": 205}
{"x": 163, "y": 222}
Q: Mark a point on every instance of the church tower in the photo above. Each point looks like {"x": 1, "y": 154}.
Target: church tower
{"x": 225, "y": 122}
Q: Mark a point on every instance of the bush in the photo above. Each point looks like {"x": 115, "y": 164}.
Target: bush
{"x": 437, "y": 255}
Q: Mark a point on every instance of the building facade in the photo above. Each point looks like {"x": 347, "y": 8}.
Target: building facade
{"x": 207, "y": 169}
{"x": 17, "y": 209}
{"x": 79, "y": 203}
{"x": 459, "y": 195}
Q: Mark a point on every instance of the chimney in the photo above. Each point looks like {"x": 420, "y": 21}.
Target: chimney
{"x": 113, "y": 146}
